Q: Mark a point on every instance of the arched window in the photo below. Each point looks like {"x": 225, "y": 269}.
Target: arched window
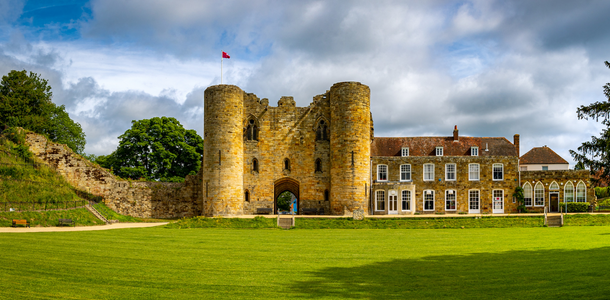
{"x": 527, "y": 194}
{"x": 326, "y": 196}
{"x": 254, "y": 165}
{"x": 322, "y": 133}
{"x": 554, "y": 186}
{"x": 247, "y": 196}
{"x": 252, "y": 131}
{"x": 287, "y": 164}
{"x": 581, "y": 192}
{"x": 568, "y": 192}
{"x": 318, "y": 165}
{"x": 539, "y": 194}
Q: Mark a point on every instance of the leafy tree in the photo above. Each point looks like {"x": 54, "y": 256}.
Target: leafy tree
{"x": 25, "y": 101}
{"x": 595, "y": 154}
{"x": 284, "y": 200}
{"x": 156, "y": 149}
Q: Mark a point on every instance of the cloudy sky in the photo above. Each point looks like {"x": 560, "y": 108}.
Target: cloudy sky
{"x": 494, "y": 68}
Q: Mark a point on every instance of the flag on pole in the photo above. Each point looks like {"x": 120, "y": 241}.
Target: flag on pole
{"x": 225, "y": 55}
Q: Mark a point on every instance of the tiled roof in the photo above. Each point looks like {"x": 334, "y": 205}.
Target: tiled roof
{"x": 426, "y": 146}
{"x": 541, "y": 155}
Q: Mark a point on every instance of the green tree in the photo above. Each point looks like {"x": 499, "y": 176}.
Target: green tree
{"x": 595, "y": 154}
{"x": 25, "y": 101}
{"x": 283, "y": 201}
{"x": 156, "y": 149}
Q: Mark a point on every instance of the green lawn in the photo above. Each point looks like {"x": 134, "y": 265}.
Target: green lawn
{"x": 163, "y": 263}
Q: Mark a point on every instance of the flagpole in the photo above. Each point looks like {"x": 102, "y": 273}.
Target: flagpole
{"x": 221, "y": 58}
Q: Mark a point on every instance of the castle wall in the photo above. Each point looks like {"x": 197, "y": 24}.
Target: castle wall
{"x": 223, "y": 160}
{"x": 350, "y": 145}
{"x": 137, "y": 199}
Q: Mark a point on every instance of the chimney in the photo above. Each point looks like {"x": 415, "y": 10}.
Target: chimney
{"x": 516, "y": 143}
{"x": 455, "y": 134}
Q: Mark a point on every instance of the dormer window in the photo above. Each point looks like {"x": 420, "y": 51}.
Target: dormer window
{"x": 439, "y": 151}
{"x": 404, "y": 152}
{"x": 474, "y": 151}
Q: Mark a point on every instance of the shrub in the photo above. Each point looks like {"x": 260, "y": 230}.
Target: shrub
{"x": 602, "y": 192}
{"x": 576, "y": 206}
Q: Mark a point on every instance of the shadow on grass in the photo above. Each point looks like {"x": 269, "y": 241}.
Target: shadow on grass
{"x": 562, "y": 274}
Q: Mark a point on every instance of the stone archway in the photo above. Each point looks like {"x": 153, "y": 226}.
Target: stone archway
{"x": 286, "y": 184}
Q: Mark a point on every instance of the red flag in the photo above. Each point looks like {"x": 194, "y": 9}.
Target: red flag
{"x": 225, "y": 55}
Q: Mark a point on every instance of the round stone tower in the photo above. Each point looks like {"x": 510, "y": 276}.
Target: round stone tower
{"x": 223, "y": 161}
{"x": 350, "y": 146}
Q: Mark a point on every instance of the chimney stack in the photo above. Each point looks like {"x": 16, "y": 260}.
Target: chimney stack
{"x": 455, "y": 134}
{"x": 516, "y": 143}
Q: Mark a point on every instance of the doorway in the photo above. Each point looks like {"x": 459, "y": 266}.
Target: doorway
{"x": 554, "y": 202}
{"x": 393, "y": 203}
{"x": 287, "y": 184}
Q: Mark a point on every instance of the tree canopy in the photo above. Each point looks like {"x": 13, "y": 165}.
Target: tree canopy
{"x": 156, "y": 149}
{"x": 595, "y": 154}
{"x": 25, "y": 101}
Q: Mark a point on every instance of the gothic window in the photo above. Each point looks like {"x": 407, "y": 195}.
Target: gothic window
{"x": 254, "y": 165}
{"x": 252, "y": 131}
{"x": 322, "y": 133}
{"x": 318, "y": 165}
{"x": 287, "y": 164}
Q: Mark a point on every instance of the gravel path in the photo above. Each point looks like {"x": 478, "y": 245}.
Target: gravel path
{"x": 80, "y": 228}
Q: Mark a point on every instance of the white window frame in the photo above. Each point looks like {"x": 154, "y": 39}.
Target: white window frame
{"x": 429, "y": 194}
{"x": 431, "y": 177}
{"x": 439, "y": 151}
{"x": 538, "y": 189}
{"x": 405, "y": 196}
{"x": 545, "y": 168}
{"x": 447, "y": 172}
{"x": 379, "y": 172}
{"x": 478, "y": 194}
{"x": 568, "y": 187}
{"x": 528, "y": 193}
{"x": 474, "y": 151}
{"x": 405, "y": 172}
{"x": 471, "y": 172}
{"x": 584, "y": 192}
{"x": 404, "y": 151}
{"x": 554, "y": 186}
{"x": 493, "y": 172}
{"x": 378, "y": 194}
{"x": 447, "y": 199}
{"x": 493, "y": 198}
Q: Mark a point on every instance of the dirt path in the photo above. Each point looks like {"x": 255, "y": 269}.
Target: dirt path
{"x": 80, "y": 228}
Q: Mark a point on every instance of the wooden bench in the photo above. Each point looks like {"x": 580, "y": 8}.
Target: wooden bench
{"x": 62, "y": 222}
{"x": 321, "y": 211}
{"x": 603, "y": 208}
{"x": 309, "y": 211}
{"x": 264, "y": 210}
{"x": 21, "y": 222}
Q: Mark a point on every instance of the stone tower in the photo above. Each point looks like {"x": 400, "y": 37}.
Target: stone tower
{"x": 223, "y": 166}
{"x": 350, "y": 146}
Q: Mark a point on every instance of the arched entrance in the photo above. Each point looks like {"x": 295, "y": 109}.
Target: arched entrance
{"x": 286, "y": 184}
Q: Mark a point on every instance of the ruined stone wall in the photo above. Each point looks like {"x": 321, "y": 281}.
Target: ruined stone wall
{"x": 138, "y": 199}
{"x": 286, "y": 132}
{"x": 561, "y": 177}
{"x": 439, "y": 185}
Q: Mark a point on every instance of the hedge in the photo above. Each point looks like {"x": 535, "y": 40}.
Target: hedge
{"x": 576, "y": 206}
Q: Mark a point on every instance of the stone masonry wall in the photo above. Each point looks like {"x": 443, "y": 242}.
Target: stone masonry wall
{"x": 439, "y": 185}
{"x": 561, "y": 177}
{"x": 137, "y": 199}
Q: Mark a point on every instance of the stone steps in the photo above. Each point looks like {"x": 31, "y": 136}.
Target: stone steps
{"x": 553, "y": 221}
{"x": 97, "y": 214}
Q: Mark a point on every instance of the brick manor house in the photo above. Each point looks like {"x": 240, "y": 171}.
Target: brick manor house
{"x": 326, "y": 154}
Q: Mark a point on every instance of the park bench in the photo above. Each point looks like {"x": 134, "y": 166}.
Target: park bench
{"x": 321, "y": 211}
{"x": 309, "y": 211}
{"x": 62, "y": 222}
{"x": 264, "y": 210}
{"x": 21, "y": 222}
